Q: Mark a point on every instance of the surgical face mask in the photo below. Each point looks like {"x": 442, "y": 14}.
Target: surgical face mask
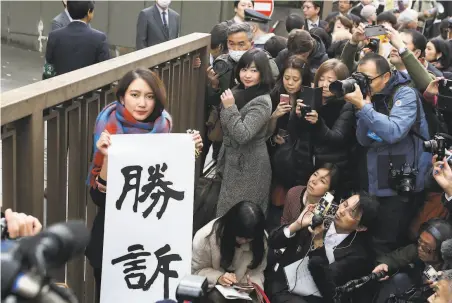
{"x": 164, "y": 3}
{"x": 236, "y": 55}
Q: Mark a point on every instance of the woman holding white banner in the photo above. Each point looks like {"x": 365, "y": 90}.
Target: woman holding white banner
{"x": 139, "y": 109}
{"x": 232, "y": 250}
{"x": 243, "y": 160}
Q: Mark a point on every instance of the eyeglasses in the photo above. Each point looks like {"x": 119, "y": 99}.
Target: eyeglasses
{"x": 424, "y": 247}
{"x": 372, "y": 79}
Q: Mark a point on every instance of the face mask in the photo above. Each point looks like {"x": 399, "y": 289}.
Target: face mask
{"x": 164, "y": 3}
{"x": 236, "y": 55}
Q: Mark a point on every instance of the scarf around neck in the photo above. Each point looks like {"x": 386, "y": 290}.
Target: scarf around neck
{"x": 116, "y": 119}
{"x": 244, "y": 95}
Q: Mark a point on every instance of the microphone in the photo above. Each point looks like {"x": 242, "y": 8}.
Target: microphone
{"x": 446, "y": 252}
{"x": 56, "y": 245}
{"x": 354, "y": 284}
{"x": 50, "y": 249}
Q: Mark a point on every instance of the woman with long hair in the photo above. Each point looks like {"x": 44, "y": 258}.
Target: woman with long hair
{"x": 438, "y": 52}
{"x": 243, "y": 161}
{"x": 139, "y": 109}
{"x": 232, "y": 249}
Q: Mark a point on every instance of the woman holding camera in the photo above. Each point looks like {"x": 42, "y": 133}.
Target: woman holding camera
{"x": 243, "y": 160}
{"x": 232, "y": 249}
{"x": 139, "y": 109}
{"x": 325, "y": 135}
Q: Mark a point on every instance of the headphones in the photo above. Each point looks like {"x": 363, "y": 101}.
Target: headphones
{"x": 440, "y": 229}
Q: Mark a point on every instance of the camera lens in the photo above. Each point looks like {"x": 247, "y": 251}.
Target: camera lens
{"x": 406, "y": 186}
{"x": 220, "y": 67}
{"x": 431, "y": 146}
{"x": 341, "y": 88}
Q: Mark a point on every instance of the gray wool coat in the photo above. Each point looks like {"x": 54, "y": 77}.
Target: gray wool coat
{"x": 243, "y": 160}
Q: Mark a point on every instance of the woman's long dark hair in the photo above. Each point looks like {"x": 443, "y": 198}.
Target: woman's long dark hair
{"x": 244, "y": 220}
{"x": 262, "y": 63}
{"x": 294, "y": 62}
{"x": 444, "y": 48}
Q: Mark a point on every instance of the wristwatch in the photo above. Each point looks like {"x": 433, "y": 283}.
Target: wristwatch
{"x": 402, "y": 50}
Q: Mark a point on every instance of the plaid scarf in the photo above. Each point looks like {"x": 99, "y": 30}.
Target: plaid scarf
{"x": 117, "y": 120}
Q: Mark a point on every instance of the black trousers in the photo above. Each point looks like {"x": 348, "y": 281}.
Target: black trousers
{"x": 398, "y": 284}
{"x": 391, "y": 227}
{"x": 97, "y": 279}
{"x": 287, "y": 297}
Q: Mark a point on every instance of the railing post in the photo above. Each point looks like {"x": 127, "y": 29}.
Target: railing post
{"x": 30, "y": 165}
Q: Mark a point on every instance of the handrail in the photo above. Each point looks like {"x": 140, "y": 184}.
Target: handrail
{"x": 21, "y": 102}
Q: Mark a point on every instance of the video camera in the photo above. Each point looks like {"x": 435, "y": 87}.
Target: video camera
{"x": 341, "y": 88}
{"x": 222, "y": 65}
{"x": 25, "y": 264}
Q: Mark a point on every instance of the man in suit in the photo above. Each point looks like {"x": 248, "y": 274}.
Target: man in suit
{"x": 77, "y": 45}
{"x": 157, "y": 24}
{"x": 311, "y": 11}
{"x": 62, "y": 20}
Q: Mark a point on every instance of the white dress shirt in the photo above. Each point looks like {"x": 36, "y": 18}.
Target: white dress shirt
{"x": 67, "y": 13}
{"x": 332, "y": 240}
{"x": 316, "y": 23}
{"x": 166, "y": 15}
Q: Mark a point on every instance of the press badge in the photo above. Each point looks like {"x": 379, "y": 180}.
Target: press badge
{"x": 374, "y": 136}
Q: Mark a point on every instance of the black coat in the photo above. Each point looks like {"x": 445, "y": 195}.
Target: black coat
{"x": 76, "y": 46}
{"x": 327, "y": 276}
{"x": 331, "y": 140}
{"x": 95, "y": 248}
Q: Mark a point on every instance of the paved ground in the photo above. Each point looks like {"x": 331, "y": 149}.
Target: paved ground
{"x": 19, "y": 67}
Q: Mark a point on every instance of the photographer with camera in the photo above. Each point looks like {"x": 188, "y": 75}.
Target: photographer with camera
{"x": 315, "y": 261}
{"x": 387, "y": 110}
{"x": 410, "y": 265}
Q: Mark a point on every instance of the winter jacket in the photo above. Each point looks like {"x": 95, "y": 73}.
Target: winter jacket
{"x": 391, "y": 120}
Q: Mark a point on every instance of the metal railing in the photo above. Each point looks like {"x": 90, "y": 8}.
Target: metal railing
{"x": 57, "y": 115}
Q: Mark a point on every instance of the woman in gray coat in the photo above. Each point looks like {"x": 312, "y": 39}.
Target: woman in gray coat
{"x": 244, "y": 161}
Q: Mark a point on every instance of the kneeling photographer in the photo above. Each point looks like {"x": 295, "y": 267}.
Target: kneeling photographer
{"x": 414, "y": 267}
{"x": 315, "y": 261}
{"x": 388, "y": 112}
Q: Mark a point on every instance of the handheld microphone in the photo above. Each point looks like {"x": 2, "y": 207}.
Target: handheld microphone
{"x": 354, "y": 284}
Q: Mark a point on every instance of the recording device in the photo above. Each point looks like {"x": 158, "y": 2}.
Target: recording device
{"x": 284, "y": 99}
{"x": 305, "y": 109}
{"x": 222, "y": 65}
{"x": 25, "y": 265}
{"x": 342, "y": 87}
{"x": 374, "y": 45}
{"x": 325, "y": 211}
{"x": 438, "y": 145}
{"x": 431, "y": 274}
{"x": 374, "y": 30}
{"x": 445, "y": 92}
{"x": 402, "y": 180}
{"x": 446, "y": 252}
{"x": 192, "y": 288}
{"x": 354, "y": 284}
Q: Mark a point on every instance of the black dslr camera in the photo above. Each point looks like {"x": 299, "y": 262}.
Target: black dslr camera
{"x": 437, "y": 145}
{"x": 374, "y": 45}
{"x": 402, "y": 180}
{"x": 222, "y": 65}
{"x": 341, "y": 88}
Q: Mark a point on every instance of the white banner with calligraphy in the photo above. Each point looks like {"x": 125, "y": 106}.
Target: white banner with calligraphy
{"x": 148, "y": 217}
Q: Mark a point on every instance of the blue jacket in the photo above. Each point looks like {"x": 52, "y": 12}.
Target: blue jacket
{"x": 393, "y": 128}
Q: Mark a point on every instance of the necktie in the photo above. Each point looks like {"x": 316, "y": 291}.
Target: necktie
{"x": 313, "y": 25}
{"x": 165, "y": 24}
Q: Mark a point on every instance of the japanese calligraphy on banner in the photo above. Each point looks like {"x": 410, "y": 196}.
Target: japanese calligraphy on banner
{"x": 148, "y": 217}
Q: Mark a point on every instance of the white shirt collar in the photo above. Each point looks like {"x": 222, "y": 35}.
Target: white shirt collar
{"x": 332, "y": 240}
{"x": 67, "y": 13}
{"x": 162, "y": 10}
{"x": 310, "y": 23}
{"x": 79, "y": 21}
{"x": 237, "y": 19}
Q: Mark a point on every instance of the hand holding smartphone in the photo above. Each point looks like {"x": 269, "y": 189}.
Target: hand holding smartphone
{"x": 284, "y": 99}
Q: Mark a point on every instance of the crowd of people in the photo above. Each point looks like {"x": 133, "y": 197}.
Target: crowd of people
{"x": 329, "y": 110}
{"x": 345, "y": 112}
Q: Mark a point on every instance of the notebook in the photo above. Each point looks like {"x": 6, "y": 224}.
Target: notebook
{"x": 232, "y": 294}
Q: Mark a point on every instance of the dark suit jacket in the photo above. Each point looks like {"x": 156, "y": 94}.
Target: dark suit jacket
{"x": 347, "y": 255}
{"x": 150, "y": 30}
{"x": 60, "y": 21}
{"x": 76, "y": 46}
{"x": 322, "y": 24}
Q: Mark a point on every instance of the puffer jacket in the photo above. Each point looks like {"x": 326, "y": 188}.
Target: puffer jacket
{"x": 391, "y": 121}
{"x": 331, "y": 139}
